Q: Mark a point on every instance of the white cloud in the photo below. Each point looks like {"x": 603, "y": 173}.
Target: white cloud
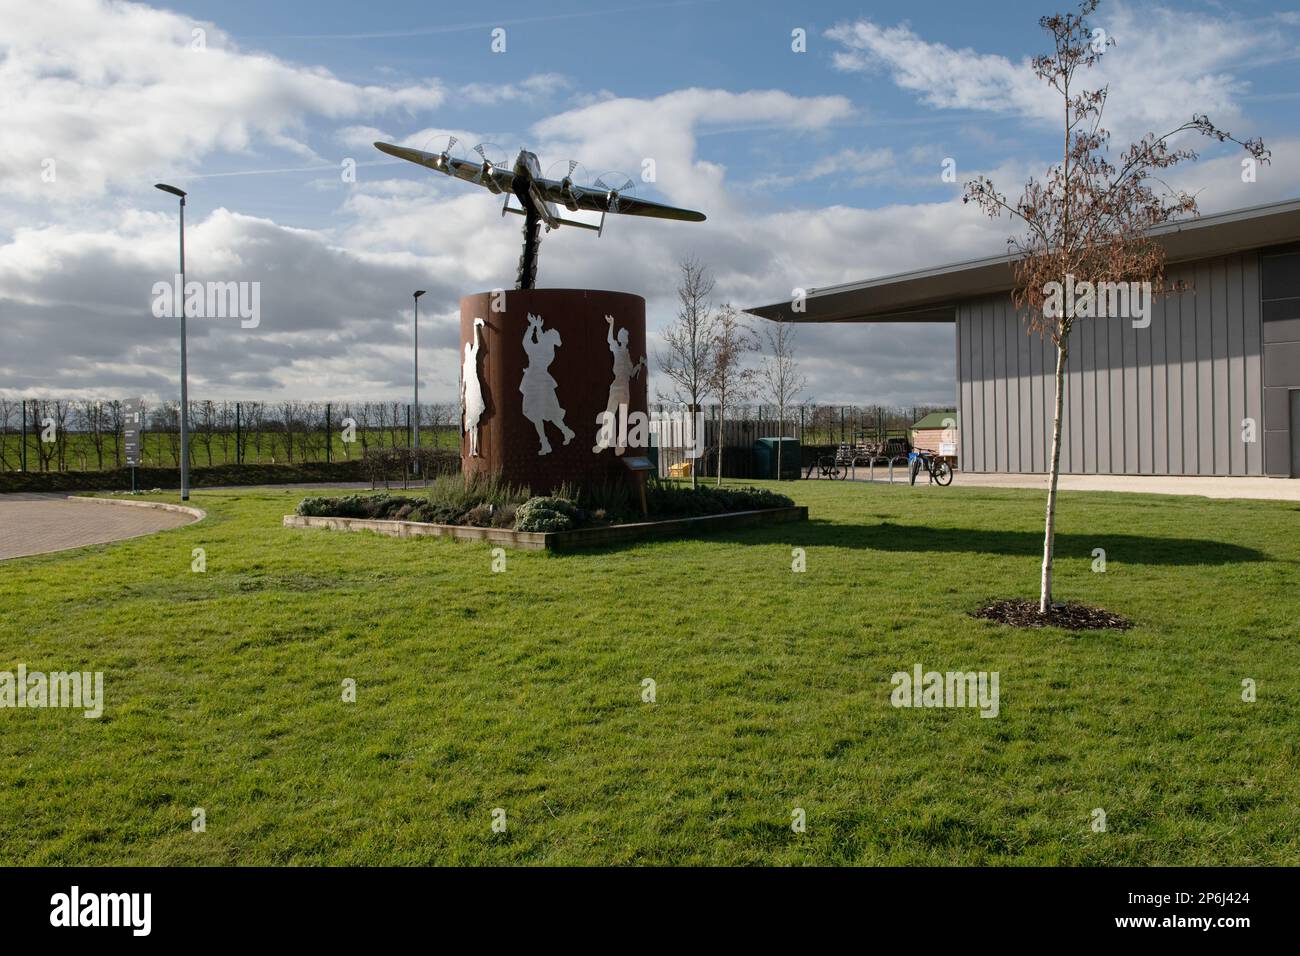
{"x": 537, "y": 87}
{"x": 115, "y": 92}
{"x": 1164, "y": 64}
{"x": 333, "y": 319}
{"x": 621, "y": 133}
{"x": 854, "y": 167}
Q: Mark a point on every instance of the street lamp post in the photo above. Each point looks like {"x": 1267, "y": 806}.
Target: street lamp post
{"x": 185, "y": 386}
{"x": 415, "y": 409}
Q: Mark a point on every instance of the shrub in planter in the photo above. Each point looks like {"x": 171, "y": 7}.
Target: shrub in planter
{"x": 387, "y": 506}
{"x": 480, "y": 516}
{"x": 358, "y": 506}
{"x": 666, "y": 500}
{"x": 316, "y": 507}
{"x": 431, "y": 513}
{"x": 504, "y": 516}
{"x": 546, "y": 515}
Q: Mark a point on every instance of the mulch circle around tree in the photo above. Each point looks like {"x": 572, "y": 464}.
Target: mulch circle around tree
{"x": 1071, "y": 615}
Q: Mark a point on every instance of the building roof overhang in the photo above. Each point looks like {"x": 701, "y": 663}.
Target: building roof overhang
{"x": 932, "y": 295}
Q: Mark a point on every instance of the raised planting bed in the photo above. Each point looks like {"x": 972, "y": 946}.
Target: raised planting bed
{"x": 561, "y": 540}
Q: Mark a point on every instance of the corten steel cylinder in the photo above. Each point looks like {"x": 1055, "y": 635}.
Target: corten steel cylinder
{"x": 564, "y": 375}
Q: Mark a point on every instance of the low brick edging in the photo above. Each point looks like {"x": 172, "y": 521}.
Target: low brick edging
{"x": 558, "y": 540}
{"x": 197, "y": 513}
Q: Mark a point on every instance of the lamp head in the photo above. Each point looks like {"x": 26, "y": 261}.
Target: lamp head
{"x": 419, "y": 292}
{"x": 170, "y": 189}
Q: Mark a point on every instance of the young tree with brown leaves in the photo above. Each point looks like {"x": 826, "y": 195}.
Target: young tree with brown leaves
{"x": 1090, "y": 220}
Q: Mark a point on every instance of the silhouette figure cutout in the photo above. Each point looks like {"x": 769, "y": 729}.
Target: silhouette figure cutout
{"x": 620, "y": 390}
{"x": 471, "y": 388}
{"x": 538, "y": 387}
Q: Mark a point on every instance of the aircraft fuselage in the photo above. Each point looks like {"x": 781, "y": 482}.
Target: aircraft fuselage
{"x": 526, "y": 171}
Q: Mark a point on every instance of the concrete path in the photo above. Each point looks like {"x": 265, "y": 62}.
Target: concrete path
{"x": 41, "y": 523}
{"x": 1271, "y": 489}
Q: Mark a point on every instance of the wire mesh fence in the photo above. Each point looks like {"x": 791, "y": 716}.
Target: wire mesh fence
{"x": 75, "y": 435}
{"x": 56, "y": 435}
{"x": 818, "y": 428}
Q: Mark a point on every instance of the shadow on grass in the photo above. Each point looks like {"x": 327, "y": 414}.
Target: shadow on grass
{"x": 886, "y": 536}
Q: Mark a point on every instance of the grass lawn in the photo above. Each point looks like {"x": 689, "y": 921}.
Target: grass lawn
{"x": 523, "y": 690}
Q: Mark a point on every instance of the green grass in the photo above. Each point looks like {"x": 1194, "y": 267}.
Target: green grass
{"x": 522, "y": 690}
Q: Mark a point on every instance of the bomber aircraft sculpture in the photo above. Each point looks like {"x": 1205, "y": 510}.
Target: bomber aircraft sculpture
{"x": 540, "y": 197}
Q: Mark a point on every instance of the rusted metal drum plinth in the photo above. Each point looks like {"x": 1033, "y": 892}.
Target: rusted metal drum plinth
{"x": 543, "y": 358}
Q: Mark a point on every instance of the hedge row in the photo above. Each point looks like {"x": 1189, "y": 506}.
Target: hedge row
{"x": 376, "y": 465}
{"x": 170, "y": 478}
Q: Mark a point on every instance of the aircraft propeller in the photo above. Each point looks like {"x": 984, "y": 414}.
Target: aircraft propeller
{"x": 569, "y": 180}
{"x": 614, "y": 193}
{"x": 492, "y": 157}
{"x": 444, "y": 148}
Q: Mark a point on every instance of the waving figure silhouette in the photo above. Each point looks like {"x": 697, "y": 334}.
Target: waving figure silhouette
{"x": 538, "y": 387}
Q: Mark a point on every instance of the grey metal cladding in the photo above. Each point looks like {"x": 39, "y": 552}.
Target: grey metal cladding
{"x": 1168, "y": 399}
{"x": 1280, "y": 305}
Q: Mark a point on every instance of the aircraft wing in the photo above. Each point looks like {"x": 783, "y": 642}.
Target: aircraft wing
{"x": 460, "y": 168}
{"x": 597, "y": 200}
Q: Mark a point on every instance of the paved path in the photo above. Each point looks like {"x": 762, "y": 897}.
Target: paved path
{"x": 38, "y": 523}
{"x": 1272, "y": 489}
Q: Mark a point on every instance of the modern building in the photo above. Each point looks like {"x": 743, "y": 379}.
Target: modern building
{"x": 1210, "y": 387}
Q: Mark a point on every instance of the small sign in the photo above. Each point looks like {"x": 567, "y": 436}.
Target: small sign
{"x": 637, "y": 463}
{"x": 948, "y": 449}
{"x": 132, "y": 425}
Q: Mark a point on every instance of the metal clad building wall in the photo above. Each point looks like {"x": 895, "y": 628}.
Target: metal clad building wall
{"x": 1254, "y": 384}
{"x": 1281, "y": 345}
{"x": 1166, "y": 400}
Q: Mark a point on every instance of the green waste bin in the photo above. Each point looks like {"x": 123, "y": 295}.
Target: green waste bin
{"x": 765, "y": 455}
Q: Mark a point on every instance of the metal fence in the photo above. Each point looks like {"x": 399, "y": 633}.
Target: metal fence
{"x": 818, "y": 428}
{"x": 54, "y": 435}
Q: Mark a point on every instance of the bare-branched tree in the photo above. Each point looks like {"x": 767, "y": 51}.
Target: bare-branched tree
{"x": 687, "y": 358}
{"x": 779, "y": 379}
{"x": 730, "y": 379}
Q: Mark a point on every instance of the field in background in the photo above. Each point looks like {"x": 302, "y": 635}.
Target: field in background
{"x": 87, "y": 434}
{"x": 522, "y": 690}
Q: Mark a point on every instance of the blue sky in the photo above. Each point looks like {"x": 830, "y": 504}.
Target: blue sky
{"x": 814, "y": 168}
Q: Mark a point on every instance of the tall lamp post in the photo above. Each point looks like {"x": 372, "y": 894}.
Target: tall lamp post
{"x": 185, "y": 386}
{"x": 415, "y": 409}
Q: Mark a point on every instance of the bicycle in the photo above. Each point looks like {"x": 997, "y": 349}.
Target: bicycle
{"x": 938, "y": 469}
{"x": 829, "y": 466}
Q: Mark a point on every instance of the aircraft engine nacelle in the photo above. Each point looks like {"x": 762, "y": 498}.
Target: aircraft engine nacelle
{"x": 570, "y": 197}
{"x": 488, "y": 180}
